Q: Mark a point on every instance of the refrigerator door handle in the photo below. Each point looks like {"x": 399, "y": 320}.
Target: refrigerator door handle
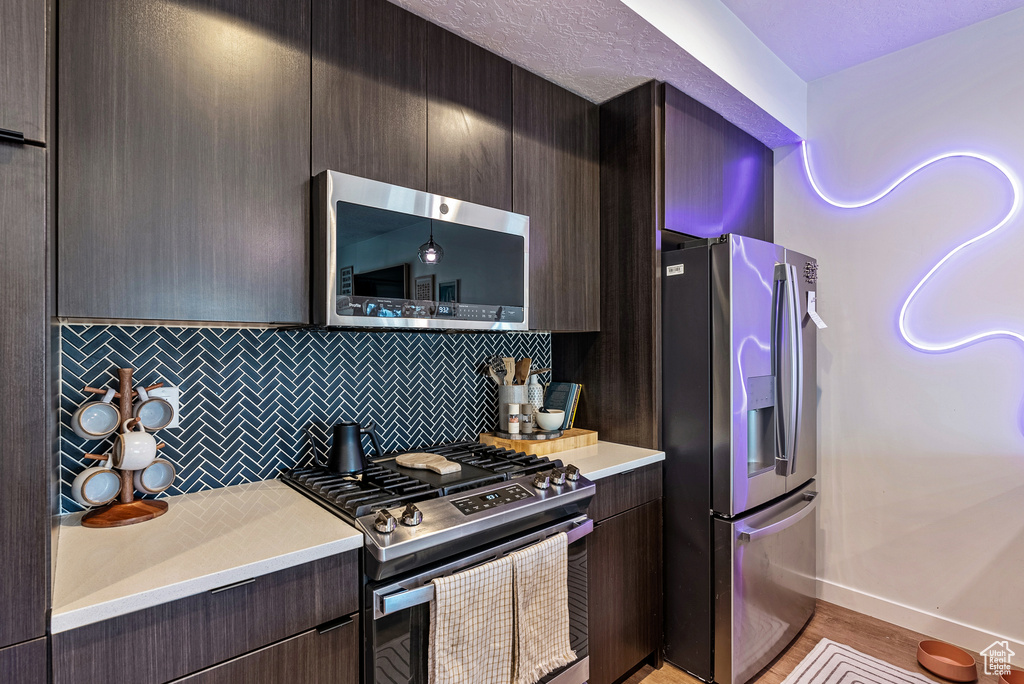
{"x": 749, "y": 534}
{"x": 781, "y": 276}
{"x": 796, "y": 365}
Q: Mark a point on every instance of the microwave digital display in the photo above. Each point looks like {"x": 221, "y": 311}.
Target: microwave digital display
{"x": 400, "y": 257}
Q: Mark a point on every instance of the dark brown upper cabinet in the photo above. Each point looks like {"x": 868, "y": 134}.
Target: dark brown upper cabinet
{"x": 718, "y": 179}
{"x": 184, "y": 163}
{"x": 556, "y": 182}
{"x": 24, "y": 451}
{"x": 23, "y": 74}
{"x": 469, "y": 121}
{"x": 369, "y": 91}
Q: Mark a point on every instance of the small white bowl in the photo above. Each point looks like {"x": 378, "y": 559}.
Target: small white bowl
{"x": 552, "y": 420}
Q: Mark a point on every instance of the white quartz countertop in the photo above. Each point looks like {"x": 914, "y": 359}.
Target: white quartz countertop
{"x": 205, "y": 540}
{"x": 607, "y": 458}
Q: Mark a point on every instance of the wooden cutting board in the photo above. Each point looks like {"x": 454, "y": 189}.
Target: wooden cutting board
{"x": 572, "y": 439}
{"x": 439, "y": 464}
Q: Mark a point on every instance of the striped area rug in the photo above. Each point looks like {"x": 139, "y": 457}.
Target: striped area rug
{"x": 832, "y": 663}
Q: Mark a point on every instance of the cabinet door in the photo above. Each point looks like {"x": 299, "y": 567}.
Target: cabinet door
{"x": 326, "y": 656}
{"x": 184, "y": 160}
{"x": 23, "y": 72}
{"x": 24, "y": 663}
{"x": 718, "y": 179}
{"x": 24, "y": 453}
{"x": 555, "y": 181}
{"x": 469, "y": 121}
{"x": 369, "y": 91}
{"x": 624, "y": 575}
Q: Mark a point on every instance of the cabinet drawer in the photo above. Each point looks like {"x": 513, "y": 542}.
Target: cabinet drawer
{"x": 314, "y": 657}
{"x": 181, "y": 637}
{"x": 618, "y": 493}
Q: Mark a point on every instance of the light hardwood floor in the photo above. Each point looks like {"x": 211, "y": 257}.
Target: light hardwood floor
{"x": 868, "y": 635}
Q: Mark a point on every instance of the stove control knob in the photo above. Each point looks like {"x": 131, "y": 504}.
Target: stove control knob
{"x": 572, "y": 473}
{"x": 412, "y": 516}
{"x": 385, "y": 522}
{"x": 558, "y": 477}
{"x": 542, "y": 481}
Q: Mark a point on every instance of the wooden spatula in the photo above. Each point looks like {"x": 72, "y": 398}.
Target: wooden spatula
{"x": 510, "y": 369}
{"x": 523, "y": 370}
{"x": 439, "y": 464}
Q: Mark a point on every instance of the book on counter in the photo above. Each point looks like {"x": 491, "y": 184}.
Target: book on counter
{"x": 563, "y": 396}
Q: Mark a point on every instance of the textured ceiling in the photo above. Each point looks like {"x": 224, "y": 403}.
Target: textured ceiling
{"x": 816, "y": 38}
{"x": 596, "y": 48}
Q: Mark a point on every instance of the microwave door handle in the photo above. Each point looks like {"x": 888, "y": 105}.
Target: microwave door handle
{"x": 752, "y": 534}
{"x": 796, "y": 365}
{"x": 778, "y": 285}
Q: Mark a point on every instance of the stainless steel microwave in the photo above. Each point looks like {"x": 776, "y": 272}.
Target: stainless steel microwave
{"x": 394, "y": 257}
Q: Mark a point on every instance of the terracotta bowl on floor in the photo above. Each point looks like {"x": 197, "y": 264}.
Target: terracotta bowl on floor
{"x": 1014, "y": 677}
{"x": 947, "y": 661}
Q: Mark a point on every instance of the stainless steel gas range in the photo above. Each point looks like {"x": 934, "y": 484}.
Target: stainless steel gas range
{"x": 418, "y": 525}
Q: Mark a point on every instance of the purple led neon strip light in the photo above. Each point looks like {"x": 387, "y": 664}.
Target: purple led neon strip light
{"x": 1014, "y": 183}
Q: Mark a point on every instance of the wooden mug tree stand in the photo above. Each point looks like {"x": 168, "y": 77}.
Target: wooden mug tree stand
{"x": 126, "y": 510}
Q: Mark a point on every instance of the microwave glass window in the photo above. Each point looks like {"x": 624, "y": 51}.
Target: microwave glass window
{"x": 379, "y": 272}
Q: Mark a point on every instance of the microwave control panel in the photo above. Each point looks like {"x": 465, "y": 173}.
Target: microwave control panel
{"x": 492, "y": 499}
{"x": 375, "y": 307}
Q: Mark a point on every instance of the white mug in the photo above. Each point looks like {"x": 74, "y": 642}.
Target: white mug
{"x": 154, "y": 413}
{"x": 96, "y": 419}
{"x": 133, "y": 450}
{"x": 96, "y": 486}
{"x": 154, "y": 478}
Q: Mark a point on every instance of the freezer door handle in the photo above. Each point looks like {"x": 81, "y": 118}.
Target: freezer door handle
{"x": 751, "y": 534}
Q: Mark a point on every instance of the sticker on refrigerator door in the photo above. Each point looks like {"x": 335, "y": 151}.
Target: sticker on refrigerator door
{"x": 674, "y": 270}
{"x": 812, "y": 310}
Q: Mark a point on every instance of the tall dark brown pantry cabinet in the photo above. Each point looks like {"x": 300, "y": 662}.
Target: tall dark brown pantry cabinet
{"x": 24, "y": 451}
{"x": 184, "y": 159}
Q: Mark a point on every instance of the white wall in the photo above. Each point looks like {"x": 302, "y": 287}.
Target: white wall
{"x": 922, "y": 455}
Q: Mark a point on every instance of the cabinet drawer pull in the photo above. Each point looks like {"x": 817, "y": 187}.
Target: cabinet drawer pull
{"x": 12, "y": 136}
{"x": 232, "y": 586}
{"x": 334, "y": 624}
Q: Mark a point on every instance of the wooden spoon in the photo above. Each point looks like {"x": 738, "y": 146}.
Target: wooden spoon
{"x": 510, "y": 369}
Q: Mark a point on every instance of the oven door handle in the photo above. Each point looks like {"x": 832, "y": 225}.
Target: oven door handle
{"x": 407, "y": 598}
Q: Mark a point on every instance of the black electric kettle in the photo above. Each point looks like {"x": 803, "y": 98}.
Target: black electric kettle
{"x": 347, "y": 456}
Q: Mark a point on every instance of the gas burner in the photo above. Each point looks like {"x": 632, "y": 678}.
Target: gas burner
{"x": 384, "y": 484}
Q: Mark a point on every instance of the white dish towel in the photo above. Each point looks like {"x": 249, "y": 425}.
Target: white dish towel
{"x": 541, "y": 609}
{"x": 471, "y": 626}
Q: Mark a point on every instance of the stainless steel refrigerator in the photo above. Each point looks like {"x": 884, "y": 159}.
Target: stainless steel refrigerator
{"x": 739, "y": 434}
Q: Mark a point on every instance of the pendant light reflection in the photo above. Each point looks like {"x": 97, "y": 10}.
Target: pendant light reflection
{"x": 430, "y": 252}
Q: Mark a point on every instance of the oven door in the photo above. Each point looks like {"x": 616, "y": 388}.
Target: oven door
{"x": 397, "y": 614}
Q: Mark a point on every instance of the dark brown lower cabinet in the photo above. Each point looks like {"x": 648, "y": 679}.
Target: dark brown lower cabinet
{"x": 329, "y": 655}
{"x": 192, "y": 634}
{"x": 624, "y": 576}
{"x": 24, "y": 663}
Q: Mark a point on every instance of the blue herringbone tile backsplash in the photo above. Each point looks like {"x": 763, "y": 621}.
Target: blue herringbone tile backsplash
{"x": 248, "y": 394}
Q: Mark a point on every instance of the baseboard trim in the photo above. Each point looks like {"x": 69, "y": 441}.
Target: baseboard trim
{"x": 936, "y": 626}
